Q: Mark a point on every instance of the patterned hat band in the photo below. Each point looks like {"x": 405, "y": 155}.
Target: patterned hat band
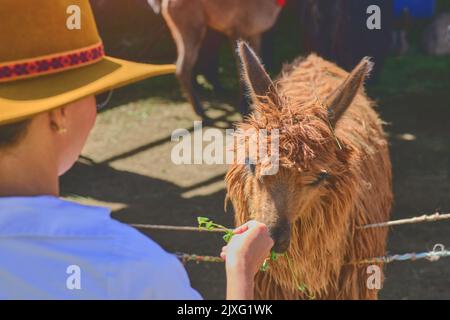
{"x": 44, "y": 65}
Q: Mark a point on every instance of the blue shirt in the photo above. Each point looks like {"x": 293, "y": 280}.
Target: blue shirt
{"x": 56, "y": 249}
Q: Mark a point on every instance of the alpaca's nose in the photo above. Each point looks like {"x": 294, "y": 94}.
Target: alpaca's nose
{"x": 282, "y": 245}
{"x": 281, "y": 235}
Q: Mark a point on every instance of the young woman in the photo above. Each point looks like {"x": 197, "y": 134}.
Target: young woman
{"x": 51, "y": 67}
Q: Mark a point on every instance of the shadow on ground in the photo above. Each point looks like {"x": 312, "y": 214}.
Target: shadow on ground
{"x": 420, "y": 151}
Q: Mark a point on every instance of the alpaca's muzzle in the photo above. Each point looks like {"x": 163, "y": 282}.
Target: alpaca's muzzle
{"x": 281, "y": 235}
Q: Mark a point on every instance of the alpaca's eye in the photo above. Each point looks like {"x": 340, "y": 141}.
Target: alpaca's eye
{"x": 250, "y": 166}
{"x": 323, "y": 175}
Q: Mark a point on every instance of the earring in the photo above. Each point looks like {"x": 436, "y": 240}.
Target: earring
{"x": 60, "y": 130}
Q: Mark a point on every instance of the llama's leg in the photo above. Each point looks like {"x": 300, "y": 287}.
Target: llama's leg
{"x": 255, "y": 43}
{"x": 208, "y": 61}
{"x": 187, "y": 25}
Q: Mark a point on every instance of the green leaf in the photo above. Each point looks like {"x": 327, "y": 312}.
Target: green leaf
{"x": 265, "y": 265}
{"x": 227, "y": 236}
{"x": 274, "y": 256}
{"x": 302, "y": 287}
{"x": 202, "y": 221}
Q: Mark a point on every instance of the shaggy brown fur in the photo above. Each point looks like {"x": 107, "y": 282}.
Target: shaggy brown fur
{"x": 323, "y": 213}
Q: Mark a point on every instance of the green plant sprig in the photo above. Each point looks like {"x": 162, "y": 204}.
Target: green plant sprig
{"x": 207, "y": 224}
{"x": 302, "y": 287}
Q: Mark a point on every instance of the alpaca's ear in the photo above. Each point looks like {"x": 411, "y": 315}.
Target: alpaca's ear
{"x": 254, "y": 74}
{"x": 156, "y": 5}
{"x": 343, "y": 96}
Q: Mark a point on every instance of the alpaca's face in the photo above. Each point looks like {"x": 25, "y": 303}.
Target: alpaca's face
{"x": 281, "y": 199}
{"x": 313, "y": 157}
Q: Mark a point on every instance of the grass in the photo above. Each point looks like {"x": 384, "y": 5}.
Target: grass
{"x": 412, "y": 73}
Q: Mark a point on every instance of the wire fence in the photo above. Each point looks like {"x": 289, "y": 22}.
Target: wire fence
{"x": 438, "y": 251}
{"x": 432, "y": 256}
{"x": 174, "y": 228}
{"x": 423, "y": 218}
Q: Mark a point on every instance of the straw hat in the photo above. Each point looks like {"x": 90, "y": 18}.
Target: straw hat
{"x": 51, "y": 55}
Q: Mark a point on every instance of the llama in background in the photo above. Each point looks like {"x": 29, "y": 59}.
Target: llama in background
{"x": 188, "y": 21}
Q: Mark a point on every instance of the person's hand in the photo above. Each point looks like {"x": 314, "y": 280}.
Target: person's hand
{"x": 247, "y": 249}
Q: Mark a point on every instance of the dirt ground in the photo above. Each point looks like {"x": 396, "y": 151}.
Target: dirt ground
{"x": 126, "y": 165}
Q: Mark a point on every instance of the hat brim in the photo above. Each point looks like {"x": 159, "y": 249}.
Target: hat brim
{"x": 25, "y": 98}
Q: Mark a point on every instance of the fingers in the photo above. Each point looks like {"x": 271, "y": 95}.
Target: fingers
{"x": 223, "y": 255}
{"x": 246, "y": 226}
{"x": 248, "y": 248}
{"x": 261, "y": 231}
{"x": 241, "y": 229}
{"x": 256, "y": 229}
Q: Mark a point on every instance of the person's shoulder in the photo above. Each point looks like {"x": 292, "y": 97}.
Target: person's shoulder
{"x": 49, "y": 216}
{"x": 131, "y": 243}
{"x": 145, "y": 270}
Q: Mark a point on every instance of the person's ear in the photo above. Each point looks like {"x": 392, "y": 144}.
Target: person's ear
{"x": 58, "y": 120}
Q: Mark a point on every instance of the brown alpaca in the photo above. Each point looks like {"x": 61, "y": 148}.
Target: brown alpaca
{"x": 334, "y": 175}
{"x": 188, "y": 21}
